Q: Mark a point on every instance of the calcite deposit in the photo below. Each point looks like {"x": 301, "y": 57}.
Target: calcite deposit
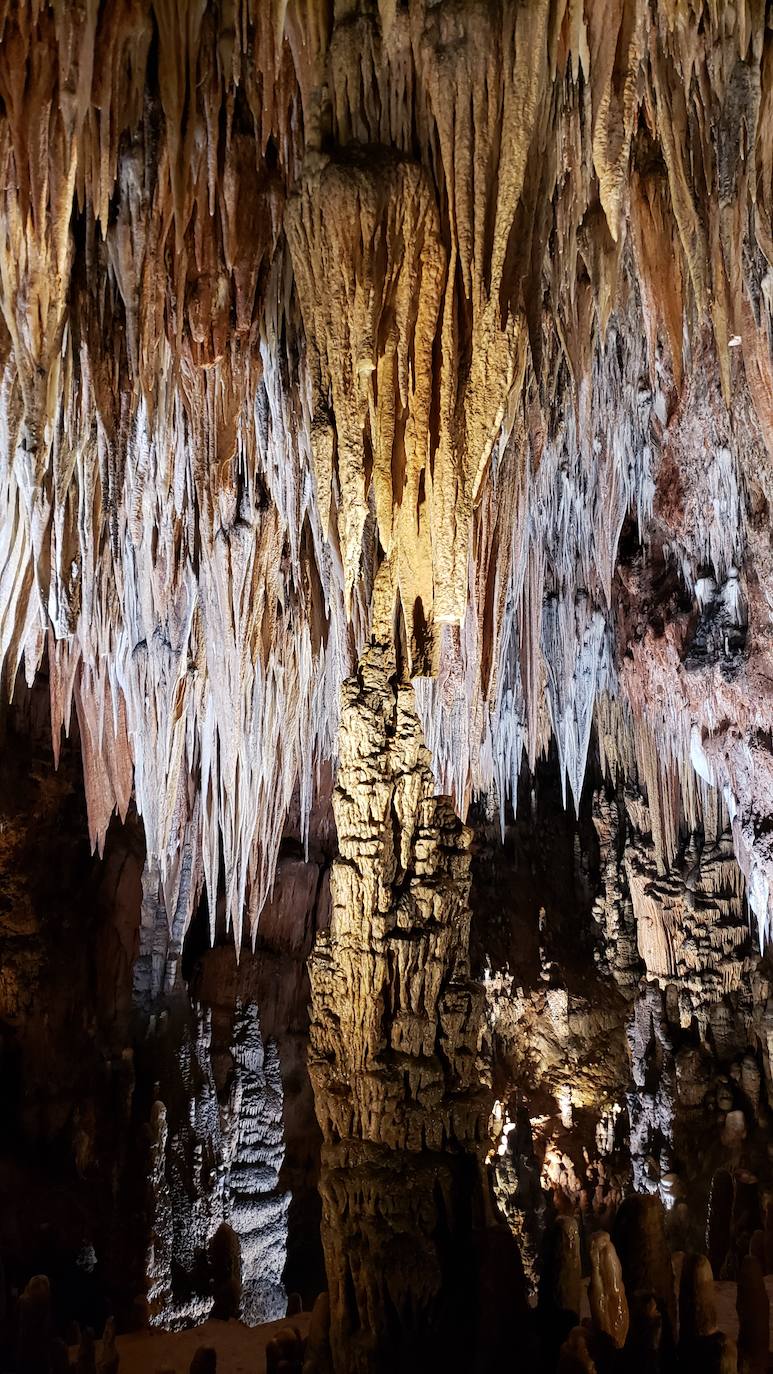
{"x": 386, "y": 676}
{"x": 213, "y": 1185}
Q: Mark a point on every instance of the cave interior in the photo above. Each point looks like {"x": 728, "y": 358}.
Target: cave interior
{"x": 386, "y": 686}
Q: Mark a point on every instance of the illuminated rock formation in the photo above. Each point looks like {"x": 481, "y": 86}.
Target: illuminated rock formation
{"x": 214, "y": 1165}
{"x": 400, "y": 1089}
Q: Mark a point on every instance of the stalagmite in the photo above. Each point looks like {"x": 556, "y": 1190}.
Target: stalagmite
{"x": 697, "y": 1304}
{"x": 606, "y": 1293}
{"x": 395, "y": 1036}
{"x": 753, "y": 1317}
{"x": 561, "y": 1283}
{"x": 646, "y": 1334}
{"x": 213, "y": 1185}
{"x": 640, "y": 1240}
{"x": 318, "y": 1340}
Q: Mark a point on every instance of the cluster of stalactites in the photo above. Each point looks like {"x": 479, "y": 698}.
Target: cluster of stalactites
{"x": 160, "y": 534}
{"x": 288, "y": 288}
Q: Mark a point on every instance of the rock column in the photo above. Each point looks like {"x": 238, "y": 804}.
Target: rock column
{"x": 394, "y": 1058}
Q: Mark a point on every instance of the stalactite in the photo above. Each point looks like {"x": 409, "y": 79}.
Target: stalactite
{"x": 289, "y": 289}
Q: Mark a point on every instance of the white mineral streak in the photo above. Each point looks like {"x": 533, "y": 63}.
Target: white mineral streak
{"x": 219, "y": 1164}
{"x": 257, "y": 1210}
{"x": 237, "y": 372}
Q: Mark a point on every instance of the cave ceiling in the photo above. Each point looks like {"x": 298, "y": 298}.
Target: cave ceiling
{"x": 445, "y": 326}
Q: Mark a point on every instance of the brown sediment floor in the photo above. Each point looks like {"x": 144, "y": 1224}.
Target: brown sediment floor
{"x": 240, "y": 1349}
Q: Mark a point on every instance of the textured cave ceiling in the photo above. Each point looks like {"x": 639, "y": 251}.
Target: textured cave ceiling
{"x": 443, "y": 323}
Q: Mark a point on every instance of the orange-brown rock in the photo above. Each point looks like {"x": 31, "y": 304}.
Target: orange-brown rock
{"x": 697, "y": 1304}
{"x": 640, "y": 1240}
{"x": 606, "y": 1291}
{"x": 396, "y": 1025}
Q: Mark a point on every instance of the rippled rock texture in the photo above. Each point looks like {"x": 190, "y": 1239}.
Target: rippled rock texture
{"x": 396, "y": 1028}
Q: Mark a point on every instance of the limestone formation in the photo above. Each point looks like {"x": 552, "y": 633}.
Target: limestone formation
{"x": 216, "y": 1214}
{"x": 697, "y": 1304}
{"x": 395, "y": 1035}
{"x": 606, "y": 1293}
{"x": 318, "y": 1339}
{"x": 254, "y": 1150}
{"x": 561, "y": 1290}
{"x": 645, "y": 1347}
{"x": 640, "y": 1240}
{"x": 355, "y": 303}
{"x": 285, "y": 1352}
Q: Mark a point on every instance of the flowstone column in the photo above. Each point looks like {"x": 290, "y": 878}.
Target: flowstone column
{"x": 399, "y": 1086}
